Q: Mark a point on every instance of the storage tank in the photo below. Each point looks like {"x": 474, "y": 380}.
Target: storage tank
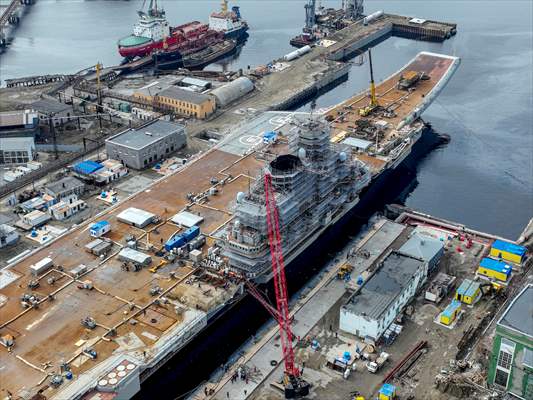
{"x": 232, "y": 91}
{"x": 297, "y": 53}
{"x": 372, "y": 17}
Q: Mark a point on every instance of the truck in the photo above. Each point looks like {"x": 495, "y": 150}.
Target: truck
{"x": 375, "y": 366}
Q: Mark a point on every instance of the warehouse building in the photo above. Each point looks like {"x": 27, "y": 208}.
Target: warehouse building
{"x": 144, "y": 146}
{"x": 369, "y": 312}
{"x": 8, "y": 235}
{"x": 511, "y": 361}
{"x": 186, "y": 102}
{"x": 19, "y": 123}
{"x": 233, "y": 91}
{"x": 17, "y": 150}
{"x": 425, "y": 247}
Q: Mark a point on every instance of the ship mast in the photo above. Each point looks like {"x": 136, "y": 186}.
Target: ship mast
{"x": 224, "y": 6}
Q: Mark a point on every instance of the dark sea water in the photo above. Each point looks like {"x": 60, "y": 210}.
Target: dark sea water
{"x": 482, "y": 178}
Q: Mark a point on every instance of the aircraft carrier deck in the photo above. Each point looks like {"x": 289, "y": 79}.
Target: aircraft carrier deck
{"x": 142, "y": 318}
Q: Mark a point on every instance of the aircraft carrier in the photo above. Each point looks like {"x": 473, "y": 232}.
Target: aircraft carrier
{"x": 87, "y": 326}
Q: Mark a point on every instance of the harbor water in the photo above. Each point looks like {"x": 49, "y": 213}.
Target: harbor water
{"x": 483, "y": 177}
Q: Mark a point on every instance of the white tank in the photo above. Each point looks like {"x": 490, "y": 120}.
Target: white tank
{"x": 240, "y": 197}
{"x": 342, "y": 156}
{"x": 302, "y": 153}
{"x": 372, "y": 17}
{"x": 297, "y": 53}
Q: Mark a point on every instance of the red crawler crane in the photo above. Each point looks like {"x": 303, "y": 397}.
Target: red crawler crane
{"x": 294, "y": 385}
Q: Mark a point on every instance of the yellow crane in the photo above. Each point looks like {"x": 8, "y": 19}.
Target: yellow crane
{"x": 365, "y": 111}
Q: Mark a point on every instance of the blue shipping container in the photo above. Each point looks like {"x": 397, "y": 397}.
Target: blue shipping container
{"x": 181, "y": 239}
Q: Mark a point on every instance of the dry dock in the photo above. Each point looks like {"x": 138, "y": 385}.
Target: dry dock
{"x": 141, "y": 317}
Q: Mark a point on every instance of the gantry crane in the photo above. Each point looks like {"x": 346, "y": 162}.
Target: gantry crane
{"x": 293, "y": 383}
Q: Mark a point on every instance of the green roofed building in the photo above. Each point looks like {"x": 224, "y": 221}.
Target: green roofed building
{"x": 511, "y": 361}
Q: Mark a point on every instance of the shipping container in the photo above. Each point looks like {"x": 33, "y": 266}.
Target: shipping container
{"x": 450, "y": 313}
{"x": 508, "y": 251}
{"x": 494, "y": 269}
{"x": 42, "y": 266}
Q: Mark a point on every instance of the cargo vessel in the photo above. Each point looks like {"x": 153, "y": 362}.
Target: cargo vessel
{"x": 106, "y": 329}
{"x": 152, "y": 32}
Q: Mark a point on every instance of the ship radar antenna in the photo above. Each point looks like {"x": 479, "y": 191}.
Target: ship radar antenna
{"x": 313, "y": 107}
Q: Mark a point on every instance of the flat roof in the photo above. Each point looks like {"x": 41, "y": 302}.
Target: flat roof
{"x": 138, "y": 138}
{"x": 357, "y": 143}
{"x": 422, "y": 246}
{"x": 187, "y": 219}
{"x": 47, "y": 106}
{"x": 176, "y": 93}
{"x": 136, "y": 216}
{"x": 509, "y": 247}
{"x": 380, "y": 291}
{"x": 519, "y": 315}
{"x": 66, "y": 183}
{"x": 496, "y": 265}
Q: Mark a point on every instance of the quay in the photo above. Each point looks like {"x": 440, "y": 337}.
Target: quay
{"x": 320, "y": 338}
{"x": 11, "y": 16}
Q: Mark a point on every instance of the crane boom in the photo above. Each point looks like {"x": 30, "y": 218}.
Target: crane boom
{"x": 280, "y": 283}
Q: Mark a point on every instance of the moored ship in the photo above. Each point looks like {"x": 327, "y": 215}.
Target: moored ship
{"x": 134, "y": 329}
{"x": 229, "y": 22}
{"x": 152, "y": 32}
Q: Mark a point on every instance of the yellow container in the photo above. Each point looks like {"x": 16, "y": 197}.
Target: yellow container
{"x": 508, "y": 251}
{"x": 450, "y": 313}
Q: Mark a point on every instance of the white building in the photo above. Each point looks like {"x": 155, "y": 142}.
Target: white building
{"x": 8, "y": 235}
{"x": 64, "y": 210}
{"x": 369, "y": 312}
{"x": 17, "y": 150}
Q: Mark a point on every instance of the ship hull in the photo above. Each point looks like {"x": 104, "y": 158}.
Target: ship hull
{"x": 240, "y": 34}
{"x": 208, "y": 350}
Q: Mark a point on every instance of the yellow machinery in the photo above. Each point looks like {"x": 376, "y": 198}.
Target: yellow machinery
{"x": 365, "y": 111}
{"x": 344, "y": 270}
{"x": 162, "y": 263}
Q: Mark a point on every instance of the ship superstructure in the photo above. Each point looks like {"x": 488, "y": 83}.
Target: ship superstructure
{"x": 228, "y": 22}
{"x": 315, "y": 182}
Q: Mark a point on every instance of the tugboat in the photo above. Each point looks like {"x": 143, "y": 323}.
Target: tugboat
{"x": 229, "y": 22}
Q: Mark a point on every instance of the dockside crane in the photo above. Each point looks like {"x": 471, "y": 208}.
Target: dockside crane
{"x": 365, "y": 111}
{"x": 294, "y": 385}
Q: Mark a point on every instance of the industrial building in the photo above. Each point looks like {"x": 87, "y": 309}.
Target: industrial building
{"x": 144, "y": 146}
{"x": 8, "y": 235}
{"x": 17, "y": 150}
{"x": 67, "y": 189}
{"x": 511, "y": 361}
{"x": 369, "y": 312}
{"x": 186, "y": 102}
{"x": 425, "y": 247}
{"x": 19, "y": 123}
{"x": 47, "y": 109}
